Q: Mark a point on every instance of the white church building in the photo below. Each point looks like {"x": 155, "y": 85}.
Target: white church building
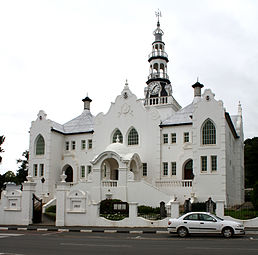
{"x": 144, "y": 150}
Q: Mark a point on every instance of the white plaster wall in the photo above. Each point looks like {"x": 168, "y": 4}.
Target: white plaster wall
{"x": 127, "y": 113}
{"x": 43, "y": 127}
{"x": 211, "y": 183}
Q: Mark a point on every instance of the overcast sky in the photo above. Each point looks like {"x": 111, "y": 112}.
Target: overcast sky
{"x": 52, "y": 53}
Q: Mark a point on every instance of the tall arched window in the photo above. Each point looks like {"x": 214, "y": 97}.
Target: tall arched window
{"x": 133, "y": 137}
{"x": 118, "y": 135}
{"x": 208, "y": 132}
{"x": 40, "y": 145}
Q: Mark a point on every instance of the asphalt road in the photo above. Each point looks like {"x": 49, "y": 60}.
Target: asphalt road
{"x": 47, "y": 243}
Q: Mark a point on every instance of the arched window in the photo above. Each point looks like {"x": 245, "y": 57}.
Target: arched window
{"x": 208, "y": 132}
{"x": 188, "y": 170}
{"x": 40, "y": 145}
{"x": 118, "y": 135}
{"x": 133, "y": 137}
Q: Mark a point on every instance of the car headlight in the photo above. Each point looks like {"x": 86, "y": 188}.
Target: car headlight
{"x": 240, "y": 225}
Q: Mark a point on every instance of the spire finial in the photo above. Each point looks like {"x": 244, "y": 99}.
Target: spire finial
{"x": 197, "y": 78}
{"x": 158, "y": 14}
{"x": 239, "y": 109}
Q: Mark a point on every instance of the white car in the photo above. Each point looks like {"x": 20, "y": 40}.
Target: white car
{"x": 202, "y": 222}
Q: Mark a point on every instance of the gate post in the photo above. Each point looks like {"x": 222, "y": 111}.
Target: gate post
{"x": 29, "y": 188}
{"x": 174, "y": 209}
{"x": 133, "y": 211}
{"x": 220, "y": 208}
{"x": 61, "y": 191}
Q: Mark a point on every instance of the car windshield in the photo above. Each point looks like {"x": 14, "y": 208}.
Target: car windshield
{"x": 217, "y": 217}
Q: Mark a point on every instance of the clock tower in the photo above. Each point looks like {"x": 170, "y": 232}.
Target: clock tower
{"x": 159, "y": 89}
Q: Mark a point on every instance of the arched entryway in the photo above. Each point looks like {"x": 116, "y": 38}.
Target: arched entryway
{"x": 134, "y": 168}
{"x": 68, "y": 170}
{"x": 109, "y": 169}
{"x": 188, "y": 170}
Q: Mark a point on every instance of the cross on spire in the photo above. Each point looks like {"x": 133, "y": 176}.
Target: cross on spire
{"x": 158, "y": 14}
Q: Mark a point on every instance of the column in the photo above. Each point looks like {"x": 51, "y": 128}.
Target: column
{"x": 61, "y": 203}
{"x": 174, "y": 209}
{"x": 29, "y": 188}
{"x": 133, "y": 210}
{"x": 220, "y": 208}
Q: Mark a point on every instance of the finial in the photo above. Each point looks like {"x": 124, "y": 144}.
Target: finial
{"x": 197, "y": 78}
{"x": 158, "y": 14}
{"x": 239, "y": 109}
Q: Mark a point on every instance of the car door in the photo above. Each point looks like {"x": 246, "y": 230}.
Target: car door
{"x": 208, "y": 224}
{"x": 191, "y": 221}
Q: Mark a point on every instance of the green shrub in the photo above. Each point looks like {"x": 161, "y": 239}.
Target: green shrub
{"x": 255, "y": 196}
{"x": 51, "y": 209}
{"x": 199, "y": 207}
{"x": 143, "y": 209}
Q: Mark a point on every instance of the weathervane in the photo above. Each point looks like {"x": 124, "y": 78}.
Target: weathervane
{"x": 158, "y": 14}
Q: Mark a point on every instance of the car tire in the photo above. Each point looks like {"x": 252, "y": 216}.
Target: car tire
{"x": 227, "y": 232}
{"x": 182, "y": 232}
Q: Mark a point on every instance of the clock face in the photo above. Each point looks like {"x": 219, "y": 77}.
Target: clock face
{"x": 154, "y": 88}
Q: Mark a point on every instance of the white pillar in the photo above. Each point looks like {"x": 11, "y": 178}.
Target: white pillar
{"x": 94, "y": 213}
{"x": 133, "y": 210}
{"x": 220, "y": 208}
{"x": 61, "y": 203}
{"x": 174, "y": 209}
{"x": 27, "y": 204}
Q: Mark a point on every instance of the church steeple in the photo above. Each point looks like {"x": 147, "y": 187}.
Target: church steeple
{"x": 158, "y": 83}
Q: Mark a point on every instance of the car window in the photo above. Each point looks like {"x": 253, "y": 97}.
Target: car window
{"x": 206, "y": 217}
{"x": 193, "y": 216}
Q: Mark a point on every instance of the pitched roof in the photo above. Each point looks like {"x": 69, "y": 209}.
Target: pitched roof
{"x": 81, "y": 124}
{"x": 181, "y": 117}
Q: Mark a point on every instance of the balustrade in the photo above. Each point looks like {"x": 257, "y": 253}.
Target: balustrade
{"x": 174, "y": 183}
{"x": 110, "y": 183}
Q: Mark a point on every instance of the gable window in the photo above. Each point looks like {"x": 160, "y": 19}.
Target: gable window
{"x": 133, "y": 137}
{"x": 144, "y": 169}
{"x": 40, "y": 145}
{"x": 41, "y": 169}
{"x": 117, "y": 135}
{"x": 173, "y": 138}
{"x": 208, "y": 133}
{"x": 35, "y": 170}
{"x": 67, "y": 146}
{"x": 83, "y": 144}
{"x": 204, "y": 163}
{"x": 165, "y": 138}
{"x": 186, "y": 137}
{"x": 213, "y": 163}
{"x": 82, "y": 171}
{"x": 173, "y": 168}
{"x": 165, "y": 168}
{"x": 90, "y": 144}
{"x": 73, "y": 145}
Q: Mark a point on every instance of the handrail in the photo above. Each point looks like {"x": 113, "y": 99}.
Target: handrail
{"x": 158, "y": 75}
{"x": 174, "y": 183}
{"x": 158, "y": 53}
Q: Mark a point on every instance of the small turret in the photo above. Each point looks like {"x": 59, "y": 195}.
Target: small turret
{"x": 87, "y": 102}
{"x": 197, "y": 89}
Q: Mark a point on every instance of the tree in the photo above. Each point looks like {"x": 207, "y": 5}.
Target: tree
{"x": 251, "y": 162}
{"x": 2, "y": 138}
{"x": 9, "y": 176}
{"x": 22, "y": 172}
{"x": 255, "y": 196}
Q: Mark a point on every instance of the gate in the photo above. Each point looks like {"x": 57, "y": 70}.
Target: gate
{"x": 37, "y": 209}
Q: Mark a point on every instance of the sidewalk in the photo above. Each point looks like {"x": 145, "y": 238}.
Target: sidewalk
{"x": 136, "y": 230}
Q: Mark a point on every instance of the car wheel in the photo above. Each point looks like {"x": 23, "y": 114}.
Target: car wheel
{"x": 227, "y": 232}
{"x": 182, "y": 232}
